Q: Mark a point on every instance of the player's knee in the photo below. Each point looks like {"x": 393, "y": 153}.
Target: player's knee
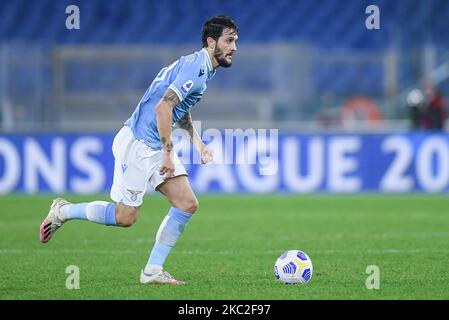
{"x": 126, "y": 216}
{"x": 190, "y": 205}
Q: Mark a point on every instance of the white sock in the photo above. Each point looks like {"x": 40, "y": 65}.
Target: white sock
{"x": 152, "y": 269}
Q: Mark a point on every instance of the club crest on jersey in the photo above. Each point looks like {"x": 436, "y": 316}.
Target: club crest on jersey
{"x": 201, "y": 72}
{"x": 187, "y": 86}
{"x": 133, "y": 194}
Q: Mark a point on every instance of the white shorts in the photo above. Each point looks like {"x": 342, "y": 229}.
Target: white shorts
{"x": 136, "y": 164}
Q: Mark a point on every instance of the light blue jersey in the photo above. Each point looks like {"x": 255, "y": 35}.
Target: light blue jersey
{"x": 187, "y": 77}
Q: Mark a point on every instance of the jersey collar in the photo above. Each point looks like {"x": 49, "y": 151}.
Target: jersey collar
{"x": 210, "y": 69}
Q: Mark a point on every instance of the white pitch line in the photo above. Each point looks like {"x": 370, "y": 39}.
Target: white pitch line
{"x": 227, "y": 252}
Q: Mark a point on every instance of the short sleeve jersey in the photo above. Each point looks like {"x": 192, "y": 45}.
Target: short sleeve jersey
{"x": 187, "y": 77}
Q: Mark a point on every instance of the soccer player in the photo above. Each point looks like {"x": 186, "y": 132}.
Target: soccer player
{"x": 143, "y": 151}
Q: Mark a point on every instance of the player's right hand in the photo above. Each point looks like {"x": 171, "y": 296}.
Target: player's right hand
{"x": 167, "y": 167}
{"x": 206, "y": 155}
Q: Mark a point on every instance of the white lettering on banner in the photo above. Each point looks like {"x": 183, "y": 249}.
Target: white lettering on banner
{"x": 341, "y": 164}
{"x": 373, "y": 20}
{"x": 315, "y": 163}
{"x": 292, "y": 163}
{"x": 267, "y": 153}
{"x": 184, "y": 151}
{"x": 247, "y": 175}
{"x": 395, "y": 179}
{"x": 438, "y": 147}
{"x": 221, "y": 173}
{"x": 79, "y": 156}
{"x": 183, "y": 146}
{"x": 228, "y": 155}
{"x": 243, "y": 156}
{"x": 223, "y": 149}
{"x": 213, "y": 139}
{"x": 37, "y": 163}
{"x": 11, "y": 166}
{"x": 73, "y": 20}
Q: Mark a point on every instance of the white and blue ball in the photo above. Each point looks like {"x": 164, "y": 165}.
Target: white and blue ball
{"x": 293, "y": 266}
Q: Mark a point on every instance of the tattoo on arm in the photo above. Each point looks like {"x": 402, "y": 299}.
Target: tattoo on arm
{"x": 186, "y": 124}
{"x": 171, "y": 97}
{"x": 167, "y": 146}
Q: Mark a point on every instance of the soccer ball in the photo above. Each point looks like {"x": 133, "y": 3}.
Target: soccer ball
{"x": 293, "y": 266}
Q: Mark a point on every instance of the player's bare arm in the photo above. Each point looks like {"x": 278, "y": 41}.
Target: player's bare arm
{"x": 164, "y": 111}
{"x": 187, "y": 124}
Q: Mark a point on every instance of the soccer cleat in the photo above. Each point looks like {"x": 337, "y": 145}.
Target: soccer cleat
{"x": 162, "y": 277}
{"x": 52, "y": 222}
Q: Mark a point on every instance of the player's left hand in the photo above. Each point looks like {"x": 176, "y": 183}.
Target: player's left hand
{"x": 206, "y": 155}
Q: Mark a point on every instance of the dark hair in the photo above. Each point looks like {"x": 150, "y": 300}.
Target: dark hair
{"x": 214, "y": 27}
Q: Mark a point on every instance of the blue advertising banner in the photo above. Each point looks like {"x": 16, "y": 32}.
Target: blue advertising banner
{"x": 291, "y": 163}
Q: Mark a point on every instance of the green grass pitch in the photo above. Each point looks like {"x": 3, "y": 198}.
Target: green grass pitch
{"x": 228, "y": 249}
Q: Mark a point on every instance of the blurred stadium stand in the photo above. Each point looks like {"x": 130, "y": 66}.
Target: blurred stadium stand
{"x": 297, "y": 65}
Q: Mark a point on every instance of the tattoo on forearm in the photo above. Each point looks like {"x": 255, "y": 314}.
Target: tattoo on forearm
{"x": 171, "y": 97}
{"x": 167, "y": 146}
{"x": 186, "y": 124}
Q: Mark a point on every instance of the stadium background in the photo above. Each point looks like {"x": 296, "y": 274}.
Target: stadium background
{"x": 302, "y": 68}
{"x": 336, "y": 91}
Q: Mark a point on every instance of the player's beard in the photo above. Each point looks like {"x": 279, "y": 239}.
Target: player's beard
{"x": 221, "y": 58}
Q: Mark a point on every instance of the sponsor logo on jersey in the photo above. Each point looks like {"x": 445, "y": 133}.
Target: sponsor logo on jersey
{"x": 187, "y": 86}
